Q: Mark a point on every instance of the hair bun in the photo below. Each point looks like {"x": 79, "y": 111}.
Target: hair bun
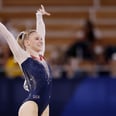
{"x": 21, "y": 35}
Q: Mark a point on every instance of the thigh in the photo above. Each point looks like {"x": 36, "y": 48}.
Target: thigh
{"x": 29, "y": 108}
{"x": 46, "y": 111}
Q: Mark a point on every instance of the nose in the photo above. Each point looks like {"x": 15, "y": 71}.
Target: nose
{"x": 40, "y": 42}
{"x": 41, "y": 39}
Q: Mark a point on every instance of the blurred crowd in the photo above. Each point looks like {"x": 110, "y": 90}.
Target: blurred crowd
{"x": 86, "y": 56}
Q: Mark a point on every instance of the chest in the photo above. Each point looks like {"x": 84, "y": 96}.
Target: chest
{"x": 42, "y": 61}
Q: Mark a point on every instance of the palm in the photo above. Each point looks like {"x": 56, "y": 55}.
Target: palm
{"x": 43, "y": 11}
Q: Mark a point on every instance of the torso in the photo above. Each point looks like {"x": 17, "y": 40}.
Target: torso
{"x": 38, "y": 76}
{"x": 42, "y": 60}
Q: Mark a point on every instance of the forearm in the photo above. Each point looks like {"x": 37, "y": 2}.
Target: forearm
{"x": 40, "y": 28}
{"x": 8, "y": 37}
{"x": 18, "y": 53}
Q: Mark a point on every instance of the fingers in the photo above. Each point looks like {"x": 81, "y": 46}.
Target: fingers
{"x": 42, "y": 7}
{"x": 43, "y": 11}
{"x": 47, "y": 13}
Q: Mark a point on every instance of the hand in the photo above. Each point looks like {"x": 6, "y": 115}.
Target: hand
{"x": 42, "y": 11}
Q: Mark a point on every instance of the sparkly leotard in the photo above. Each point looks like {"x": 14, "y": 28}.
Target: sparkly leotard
{"x": 39, "y": 83}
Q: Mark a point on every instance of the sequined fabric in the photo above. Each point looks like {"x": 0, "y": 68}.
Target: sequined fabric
{"x": 38, "y": 82}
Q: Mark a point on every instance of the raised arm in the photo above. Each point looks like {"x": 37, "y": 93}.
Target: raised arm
{"x": 19, "y": 54}
{"x": 40, "y": 25}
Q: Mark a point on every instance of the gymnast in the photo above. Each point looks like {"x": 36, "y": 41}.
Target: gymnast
{"x": 28, "y": 51}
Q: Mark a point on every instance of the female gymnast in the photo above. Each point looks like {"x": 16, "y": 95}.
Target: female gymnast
{"x": 28, "y": 51}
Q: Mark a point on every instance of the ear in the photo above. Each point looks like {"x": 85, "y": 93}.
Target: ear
{"x": 26, "y": 42}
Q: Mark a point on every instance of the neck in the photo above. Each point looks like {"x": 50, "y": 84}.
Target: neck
{"x": 33, "y": 53}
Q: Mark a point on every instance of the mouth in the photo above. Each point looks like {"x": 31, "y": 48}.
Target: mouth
{"x": 40, "y": 44}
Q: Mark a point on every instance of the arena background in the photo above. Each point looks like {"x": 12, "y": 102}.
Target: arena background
{"x": 83, "y": 65}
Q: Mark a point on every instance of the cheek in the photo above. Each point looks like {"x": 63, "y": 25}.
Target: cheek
{"x": 28, "y": 43}
{"x": 33, "y": 44}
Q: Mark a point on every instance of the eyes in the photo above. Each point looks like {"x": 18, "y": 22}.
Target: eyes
{"x": 37, "y": 38}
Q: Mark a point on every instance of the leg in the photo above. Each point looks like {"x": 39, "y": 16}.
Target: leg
{"x": 46, "y": 111}
{"x": 29, "y": 108}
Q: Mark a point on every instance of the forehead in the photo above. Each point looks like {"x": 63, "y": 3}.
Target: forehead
{"x": 34, "y": 34}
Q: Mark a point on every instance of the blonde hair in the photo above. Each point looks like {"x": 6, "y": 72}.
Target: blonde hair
{"x": 23, "y": 36}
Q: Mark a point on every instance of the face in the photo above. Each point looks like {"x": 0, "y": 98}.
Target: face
{"x": 34, "y": 42}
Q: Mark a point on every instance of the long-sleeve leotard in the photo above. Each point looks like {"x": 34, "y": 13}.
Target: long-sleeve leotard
{"x": 40, "y": 28}
{"x": 19, "y": 54}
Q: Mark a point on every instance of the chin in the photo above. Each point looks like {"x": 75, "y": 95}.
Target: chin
{"x": 39, "y": 50}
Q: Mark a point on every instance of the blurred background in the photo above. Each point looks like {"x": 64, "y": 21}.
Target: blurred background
{"x": 80, "y": 47}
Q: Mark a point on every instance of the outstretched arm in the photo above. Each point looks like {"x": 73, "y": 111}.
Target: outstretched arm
{"x": 40, "y": 25}
{"x": 19, "y": 54}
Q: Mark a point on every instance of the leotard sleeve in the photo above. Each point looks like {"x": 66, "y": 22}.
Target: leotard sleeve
{"x": 19, "y": 54}
{"x": 40, "y": 28}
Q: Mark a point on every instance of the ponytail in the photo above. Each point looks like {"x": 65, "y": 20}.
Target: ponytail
{"x": 20, "y": 39}
{"x": 23, "y": 36}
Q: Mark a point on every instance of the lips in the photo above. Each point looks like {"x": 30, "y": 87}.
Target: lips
{"x": 40, "y": 44}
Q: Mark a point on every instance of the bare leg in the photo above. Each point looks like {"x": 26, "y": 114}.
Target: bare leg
{"x": 46, "y": 111}
{"x": 29, "y": 108}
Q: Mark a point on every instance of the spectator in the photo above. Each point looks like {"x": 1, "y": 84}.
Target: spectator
{"x": 83, "y": 48}
{"x": 12, "y": 68}
{"x": 3, "y": 57}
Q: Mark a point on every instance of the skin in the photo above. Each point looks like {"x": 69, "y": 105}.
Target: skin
{"x": 34, "y": 45}
{"x": 30, "y": 108}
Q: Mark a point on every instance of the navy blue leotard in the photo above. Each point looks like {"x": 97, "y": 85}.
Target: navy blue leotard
{"x": 39, "y": 82}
